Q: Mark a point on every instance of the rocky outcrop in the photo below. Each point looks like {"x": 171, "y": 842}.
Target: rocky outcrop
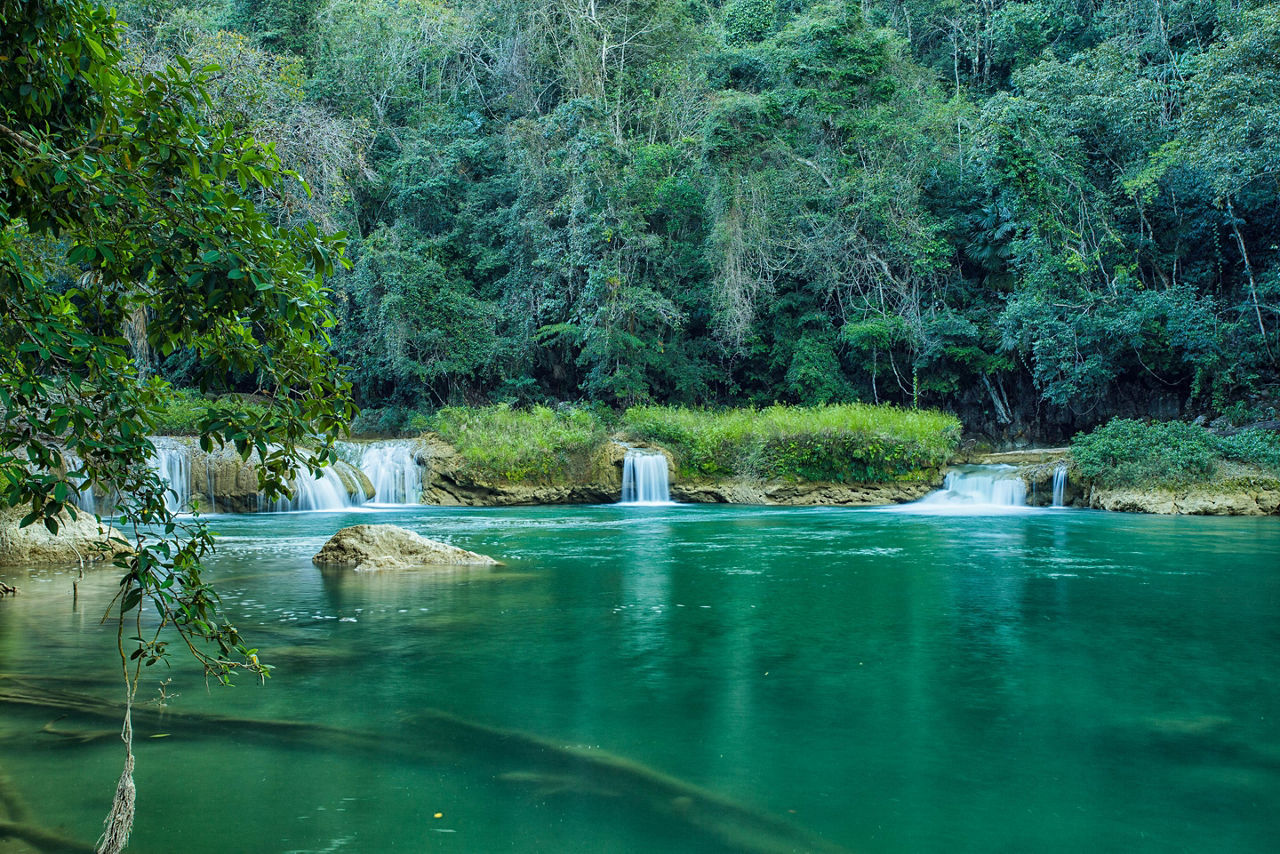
{"x": 83, "y": 538}
{"x": 368, "y": 548}
{"x": 1029, "y": 457}
{"x": 1256, "y": 497}
{"x": 802, "y": 494}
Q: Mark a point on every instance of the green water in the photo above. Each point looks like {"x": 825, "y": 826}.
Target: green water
{"x": 1043, "y": 681}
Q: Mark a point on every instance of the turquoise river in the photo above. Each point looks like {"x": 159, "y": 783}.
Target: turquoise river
{"x": 687, "y": 679}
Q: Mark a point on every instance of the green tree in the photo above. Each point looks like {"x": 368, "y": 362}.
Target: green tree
{"x": 153, "y": 210}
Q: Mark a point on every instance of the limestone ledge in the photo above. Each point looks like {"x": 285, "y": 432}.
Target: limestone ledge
{"x": 1260, "y": 497}
{"x": 449, "y": 483}
{"x": 802, "y": 494}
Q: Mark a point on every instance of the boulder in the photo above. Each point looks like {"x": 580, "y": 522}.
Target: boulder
{"x": 367, "y": 548}
{"x": 80, "y": 539}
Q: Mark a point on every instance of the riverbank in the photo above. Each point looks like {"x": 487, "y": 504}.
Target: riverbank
{"x": 1164, "y": 468}
{"x": 852, "y": 454}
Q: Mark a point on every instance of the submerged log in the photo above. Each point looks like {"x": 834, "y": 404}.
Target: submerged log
{"x": 15, "y": 825}
{"x": 538, "y": 759}
{"x": 41, "y": 839}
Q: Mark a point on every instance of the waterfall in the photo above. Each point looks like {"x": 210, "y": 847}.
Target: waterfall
{"x": 981, "y": 486}
{"x": 326, "y": 492}
{"x": 84, "y": 498}
{"x": 391, "y": 467}
{"x": 1059, "y": 484}
{"x": 644, "y": 478}
{"x": 173, "y": 463}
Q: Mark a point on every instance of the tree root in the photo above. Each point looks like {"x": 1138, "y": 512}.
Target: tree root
{"x": 729, "y": 823}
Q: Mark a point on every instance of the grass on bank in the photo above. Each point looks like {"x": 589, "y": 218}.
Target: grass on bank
{"x": 1125, "y": 452}
{"x": 520, "y": 445}
{"x": 845, "y": 443}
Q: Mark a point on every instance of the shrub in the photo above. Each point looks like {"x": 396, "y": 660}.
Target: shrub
{"x": 849, "y": 443}
{"x": 1259, "y": 448}
{"x": 520, "y": 445}
{"x": 1125, "y": 452}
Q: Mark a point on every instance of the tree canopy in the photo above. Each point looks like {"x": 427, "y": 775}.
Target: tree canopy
{"x": 1020, "y": 209}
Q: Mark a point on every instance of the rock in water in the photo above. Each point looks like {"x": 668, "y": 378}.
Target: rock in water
{"x": 366, "y": 548}
{"x": 83, "y": 538}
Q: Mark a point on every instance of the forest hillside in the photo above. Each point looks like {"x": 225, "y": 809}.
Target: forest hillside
{"x": 1038, "y": 214}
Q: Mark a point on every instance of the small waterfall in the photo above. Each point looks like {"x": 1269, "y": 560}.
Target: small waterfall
{"x": 1059, "y": 484}
{"x": 326, "y": 492}
{"x": 644, "y": 478}
{"x": 84, "y": 498}
{"x": 172, "y": 462}
{"x": 981, "y": 486}
{"x": 391, "y": 467}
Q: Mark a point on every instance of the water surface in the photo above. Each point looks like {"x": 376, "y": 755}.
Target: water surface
{"x": 885, "y": 681}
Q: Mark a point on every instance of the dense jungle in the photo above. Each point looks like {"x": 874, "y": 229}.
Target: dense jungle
{"x": 1036, "y": 214}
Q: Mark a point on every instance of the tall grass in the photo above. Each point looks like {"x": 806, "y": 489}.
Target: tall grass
{"x": 520, "y": 445}
{"x": 848, "y": 443}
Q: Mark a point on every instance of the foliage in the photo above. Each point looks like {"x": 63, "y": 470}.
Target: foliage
{"x": 153, "y": 209}
{"x": 1125, "y": 452}
{"x": 181, "y": 411}
{"x": 1259, "y": 448}
{"x": 998, "y": 208}
{"x": 851, "y": 443}
{"x": 536, "y": 445}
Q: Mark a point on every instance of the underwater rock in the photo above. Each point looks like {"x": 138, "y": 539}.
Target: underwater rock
{"x": 368, "y": 548}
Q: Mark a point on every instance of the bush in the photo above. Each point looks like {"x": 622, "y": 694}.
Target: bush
{"x": 1125, "y": 452}
{"x": 850, "y": 443}
{"x": 1259, "y": 448}
{"x": 520, "y": 445}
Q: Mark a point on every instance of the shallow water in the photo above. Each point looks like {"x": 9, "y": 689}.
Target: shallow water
{"x": 886, "y": 681}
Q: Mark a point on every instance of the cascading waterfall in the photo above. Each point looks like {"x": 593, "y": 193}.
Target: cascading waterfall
{"x": 173, "y": 463}
{"x": 1059, "y": 485}
{"x": 981, "y": 486}
{"x": 644, "y": 478}
{"x": 391, "y": 467}
{"x": 327, "y": 492}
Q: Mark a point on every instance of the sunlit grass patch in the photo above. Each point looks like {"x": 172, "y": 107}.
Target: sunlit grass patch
{"x": 846, "y": 443}
{"x": 520, "y": 445}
